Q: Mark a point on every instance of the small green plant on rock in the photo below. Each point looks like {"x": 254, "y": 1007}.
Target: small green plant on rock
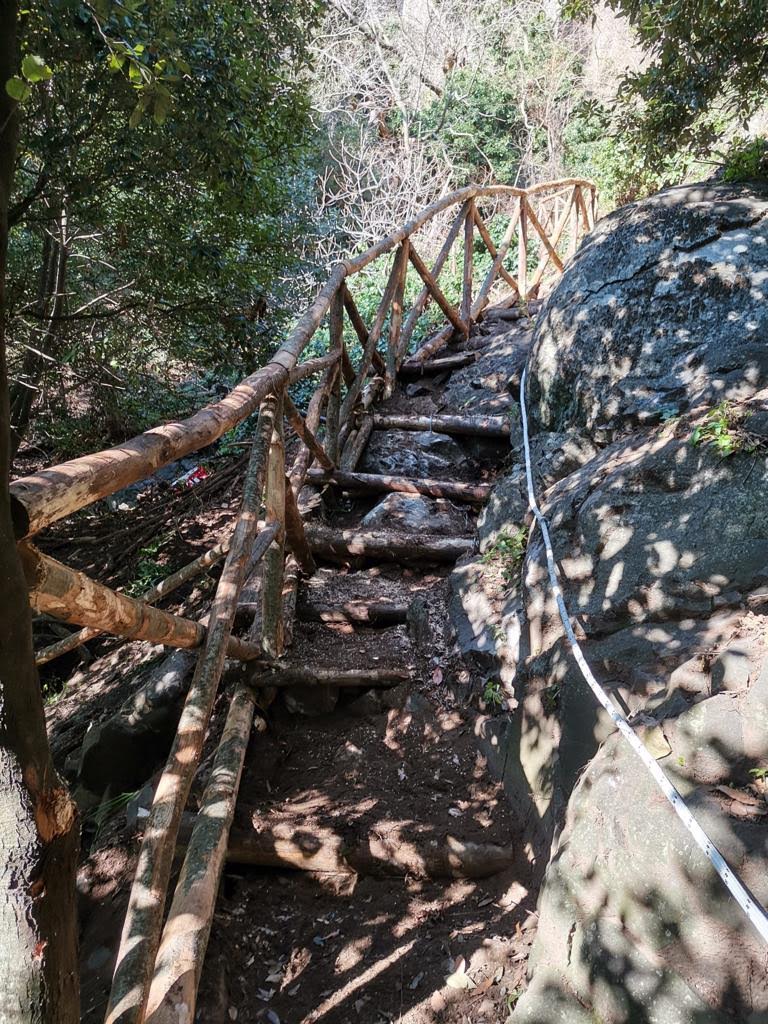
{"x": 492, "y": 694}
{"x": 719, "y": 429}
{"x": 508, "y": 551}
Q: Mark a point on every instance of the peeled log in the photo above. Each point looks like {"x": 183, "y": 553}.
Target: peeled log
{"x": 435, "y": 366}
{"x": 379, "y": 852}
{"x": 471, "y": 493}
{"x": 342, "y": 545}
{"x": 461, "y": 426}
{"x": 289, "y": 675}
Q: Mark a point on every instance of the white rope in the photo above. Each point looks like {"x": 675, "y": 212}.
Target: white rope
{"x": 754, "y": 911}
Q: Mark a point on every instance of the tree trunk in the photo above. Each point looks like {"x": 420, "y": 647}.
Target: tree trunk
{"x": 38, "y": 823}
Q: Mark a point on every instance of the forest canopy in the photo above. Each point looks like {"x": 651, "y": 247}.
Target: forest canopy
{"x": 187, "y": 171}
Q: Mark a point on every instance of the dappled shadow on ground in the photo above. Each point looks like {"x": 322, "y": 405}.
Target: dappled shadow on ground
{"x": 393, "y": 786}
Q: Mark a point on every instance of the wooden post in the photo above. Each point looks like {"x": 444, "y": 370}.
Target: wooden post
{"x": 423, "y": 299}
{"x": 423, "y": 272}
{"x": 466, "y": 293}
{"x": 303, "y": 460}
{"x": 144, "y": 917}
{"x": 396, "y": 322}
{"x": 522, "y": 251}
{"x": 545, "y": 257}
{"x": 274, "y": 561}
{"x": 298, "y": 423}
{"x": 362, "y": 333}
{"x": 294, "y": 532}
{"x": 336, "y": 330}
{"x": 573, "y": 241}
{"x": 180, "y": 958}
{"x": 497, "y": 267}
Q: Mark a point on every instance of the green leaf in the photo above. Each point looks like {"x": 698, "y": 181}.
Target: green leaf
{"x": 17, "y": 89}
{"x": 116, "y": 61}
{"x": 134, "y": 72}
{"x": 34, "y": 69}
{"x": 162, "y": 106}
{"x": 137, "y": 113}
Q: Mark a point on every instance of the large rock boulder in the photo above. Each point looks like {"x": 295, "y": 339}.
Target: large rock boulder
{"x": 662, "y": 308}
{"x": 633, "y": 924}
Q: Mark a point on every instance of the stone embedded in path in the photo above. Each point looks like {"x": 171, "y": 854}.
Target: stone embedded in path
{"x": 414, "y": 513}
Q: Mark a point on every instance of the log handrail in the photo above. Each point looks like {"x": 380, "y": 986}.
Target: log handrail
{"x": 347, "y": 394}
{"x": 54, "y": 493}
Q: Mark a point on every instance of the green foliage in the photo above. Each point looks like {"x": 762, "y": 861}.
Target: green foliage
{"x": 149, "y": 569}
{"x": 719, "y": 429}
{"x": 492, "y": 693}
{"x": 747, "y": 161}
{"x": 759, "y": 773}
{"x": 164, "y": 142}
{"x": 705, "y": 68}
{"x": 508, "y": 551}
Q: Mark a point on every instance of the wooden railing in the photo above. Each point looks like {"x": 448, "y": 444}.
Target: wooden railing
{"x": 158, "y": 967}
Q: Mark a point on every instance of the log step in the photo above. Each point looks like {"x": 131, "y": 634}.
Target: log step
{"x": 380, "y": 852}
{"x": 434, "y": 366}
{"x": 285, "y": 676}
{"x": 364, "y": 613}
{"x": 384, "y": 546}
{"x": 460, "y": 426}
{"x": 473, "y": 494}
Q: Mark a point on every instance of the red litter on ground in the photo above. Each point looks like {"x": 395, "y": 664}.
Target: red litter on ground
{"x": 191, "y": 477}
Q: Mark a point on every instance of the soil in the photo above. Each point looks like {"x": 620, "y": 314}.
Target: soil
{"x": 294, "y": 947}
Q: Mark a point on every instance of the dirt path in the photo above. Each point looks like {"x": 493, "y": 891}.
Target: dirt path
{"x": 396, "y": 769}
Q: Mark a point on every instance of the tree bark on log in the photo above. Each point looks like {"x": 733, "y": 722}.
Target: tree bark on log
{"x": 460, "y": 426}
{"x": 455, "y": 491}
{"x": 298, "y": 423}
{"x": 380, "y": 853}
{"x": 180, "y": 958}
{"x": 294, "y": 532}
{"x": 356, "y": 442}
{"x": 187, "y": 572}
{"x": 423, "y": 299}
{"x": 73, "y": 597}
{"x": 304, "y": 459}
{"x": 432, "y": 345}
{"x": 395, "y": 324}
{"x": 290, "y": 675}
{"x": 144, "y": 916}
{"x": 434, "y": 366}
{"x": 343, "y": 545}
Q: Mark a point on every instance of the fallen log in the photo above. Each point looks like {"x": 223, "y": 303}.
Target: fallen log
{"x": 380, "y": 853}
{"x": 317, "y": 675}
{"x": 434, "y": 366}
{"x": 471, "y": 493}
{"x": 365, "y": 613}
{"x": 461, "y": 426}
{"x": 343, "y": 545}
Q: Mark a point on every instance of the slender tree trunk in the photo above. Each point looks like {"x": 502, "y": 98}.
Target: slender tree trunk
{"x": 38, "y": 824}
